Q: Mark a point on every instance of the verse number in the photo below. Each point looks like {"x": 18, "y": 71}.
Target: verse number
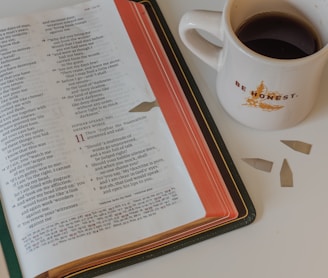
{"x": 79, "y": 138}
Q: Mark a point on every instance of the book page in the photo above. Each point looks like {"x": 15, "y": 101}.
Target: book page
{"x": 81, "y": 171}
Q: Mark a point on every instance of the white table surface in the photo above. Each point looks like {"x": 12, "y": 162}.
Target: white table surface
{"x": 290, "y": 235}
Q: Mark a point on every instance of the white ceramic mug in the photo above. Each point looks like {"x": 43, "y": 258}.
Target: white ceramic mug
{"x": 258, "y": 91}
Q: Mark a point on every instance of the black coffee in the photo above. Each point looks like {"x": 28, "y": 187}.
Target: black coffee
{"x": 278, "y": 35}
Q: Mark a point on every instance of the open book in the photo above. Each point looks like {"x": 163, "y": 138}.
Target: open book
{"x": 108, "y": 153}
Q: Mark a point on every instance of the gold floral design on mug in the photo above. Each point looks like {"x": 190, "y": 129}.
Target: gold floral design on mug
{"x": 262, "y": 96}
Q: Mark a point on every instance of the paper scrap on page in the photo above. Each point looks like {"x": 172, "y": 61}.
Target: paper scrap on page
{"x": 259, "y": 164}
{"x": 145, "y": 106}
{"x": 298, "y": 146}
{"x": 286, "y": 175}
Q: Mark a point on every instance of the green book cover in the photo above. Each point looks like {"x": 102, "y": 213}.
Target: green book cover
{"x": 8, "y": 248}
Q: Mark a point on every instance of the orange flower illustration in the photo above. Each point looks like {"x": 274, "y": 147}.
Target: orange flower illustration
{"x": 260, "y": 97}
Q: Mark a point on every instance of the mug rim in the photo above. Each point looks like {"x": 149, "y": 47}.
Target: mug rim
{"x": 260, "y": 57}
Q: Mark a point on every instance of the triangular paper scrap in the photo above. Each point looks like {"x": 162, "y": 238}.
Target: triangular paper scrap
{"x": 298, "y": 146}
{"x": 286, "y": 175}
{"x": 144, "y": 106}
{"x": 259, "y": 164}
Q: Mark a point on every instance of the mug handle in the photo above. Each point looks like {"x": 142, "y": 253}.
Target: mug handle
{"x": 208, "y": 21}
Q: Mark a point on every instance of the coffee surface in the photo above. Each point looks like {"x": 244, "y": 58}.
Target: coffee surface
{"x": 278, "y": 35}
